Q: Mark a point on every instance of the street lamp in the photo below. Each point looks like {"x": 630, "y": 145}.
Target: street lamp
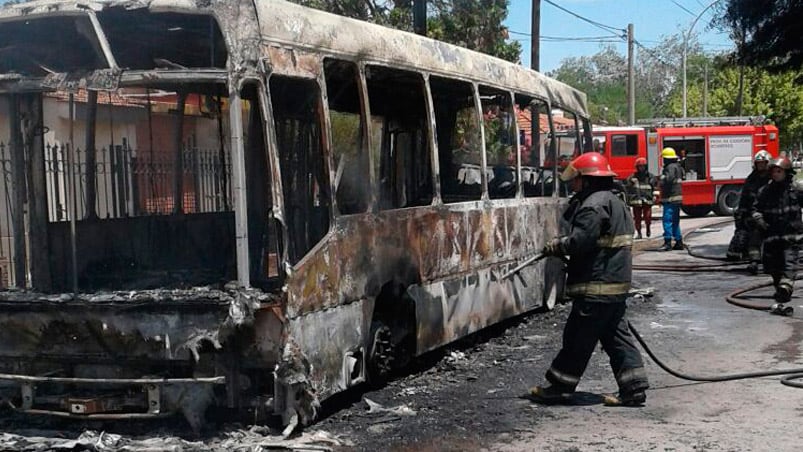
{"x": 686, "y": 44}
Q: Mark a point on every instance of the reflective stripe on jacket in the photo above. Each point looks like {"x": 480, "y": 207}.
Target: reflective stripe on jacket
{"x": 640, "y": 188}
{"x": 750, "y": 189}
{"x": 599, "y": 245}
{"x": 671, "y": 177}
{"x": 779, "y": 204}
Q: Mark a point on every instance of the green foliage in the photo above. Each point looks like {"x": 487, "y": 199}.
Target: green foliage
{"x": 775, "y": 96}
{"x": 474, "y": 24}
{"x": 768, "y": 32}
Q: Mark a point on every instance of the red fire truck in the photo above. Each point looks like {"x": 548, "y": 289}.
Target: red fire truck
{"x": 716, "y": 153}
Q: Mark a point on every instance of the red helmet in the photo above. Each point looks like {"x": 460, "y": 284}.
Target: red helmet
{"x": 588, "y": 164}
{"x": 782, "y": 162}
{"x": 641, "y": 161}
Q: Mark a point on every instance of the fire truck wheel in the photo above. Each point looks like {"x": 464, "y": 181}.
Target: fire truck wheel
{"x": 696, "y": 211}
{"x": 727, "y": 201}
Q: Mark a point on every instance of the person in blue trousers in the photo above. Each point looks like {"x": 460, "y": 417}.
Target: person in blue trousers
{"x": 671, "y": 199}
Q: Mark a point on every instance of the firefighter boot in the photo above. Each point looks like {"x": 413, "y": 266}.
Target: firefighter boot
{"x": 551, "y": 395}
{"x": 752, "y": 268}
{"x": 667, "y": 245}
{"x": 648, "y": 230}
{"x": 636, "y": 398}
{"x": 679, "y": 246}
{"x": 783, "y": 294}
{"x": 781, "y": 309}
{"x": 638, "y": 234}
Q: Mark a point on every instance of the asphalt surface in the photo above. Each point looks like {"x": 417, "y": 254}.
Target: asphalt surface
{"x": 469, "y": 396}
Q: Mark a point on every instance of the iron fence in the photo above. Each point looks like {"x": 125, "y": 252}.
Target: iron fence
{"x": 127, "y": 183}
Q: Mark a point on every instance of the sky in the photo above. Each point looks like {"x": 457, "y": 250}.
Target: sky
{"x": 651, "y": 19}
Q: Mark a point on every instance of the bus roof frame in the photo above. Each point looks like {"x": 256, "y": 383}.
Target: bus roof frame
{"x": 274, "y": 23}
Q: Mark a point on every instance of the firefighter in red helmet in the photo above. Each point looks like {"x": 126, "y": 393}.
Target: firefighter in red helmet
{"x": 776, "y": 212}
{"x": 599, "y": 245}
{"x": 640, "y": 187}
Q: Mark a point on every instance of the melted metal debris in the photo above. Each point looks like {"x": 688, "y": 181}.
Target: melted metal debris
{"x": 231, "y": 293}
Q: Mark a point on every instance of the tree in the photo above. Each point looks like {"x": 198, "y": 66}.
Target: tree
{"x": 603, "y": 77}
{"x": 767, "y": 32}
{"x": 474, "y": 24}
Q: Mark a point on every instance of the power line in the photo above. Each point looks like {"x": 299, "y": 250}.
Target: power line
{"x": 570, "y": 38}
{"x": 653, "y": 54}
{"x": 683, "y": 8}
{"x": 582, "y": 38}
{"x": 602, "y": 26}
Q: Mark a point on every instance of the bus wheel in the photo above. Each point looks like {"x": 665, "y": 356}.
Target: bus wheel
{"x": 392, "y": 338}
{"x": 380, "y": 354}
{"x": 696, "y": 211}
{"x": 727, "y": 201}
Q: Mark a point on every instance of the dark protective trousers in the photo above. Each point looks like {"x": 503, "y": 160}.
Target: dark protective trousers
{"x": 746, "y": 242}
{"x": 642, "y": 212}
{"x": 590, "y": 323}
{"x": 780, "y": 262}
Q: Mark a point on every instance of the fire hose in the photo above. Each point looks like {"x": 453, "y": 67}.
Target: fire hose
{"x": 725, "y": 266}
{"x": 790, "y": 375}
{"x": 734, "y": 298}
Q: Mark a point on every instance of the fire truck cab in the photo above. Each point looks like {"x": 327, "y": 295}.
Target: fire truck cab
{"x": 716, "y": 153}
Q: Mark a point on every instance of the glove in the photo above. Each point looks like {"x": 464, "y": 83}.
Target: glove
{"x": 760, "y": 222}
{"x": 553, "y": 248}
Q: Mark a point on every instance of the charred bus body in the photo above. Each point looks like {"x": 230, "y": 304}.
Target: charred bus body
{"x": 255, "y": 205}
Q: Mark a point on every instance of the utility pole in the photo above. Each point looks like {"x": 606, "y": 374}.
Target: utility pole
{"x": 705, "y": 91}
{"x": 420, "y": 17}
{"x": 631, "y": 78}
{"x": 535, "y": 38}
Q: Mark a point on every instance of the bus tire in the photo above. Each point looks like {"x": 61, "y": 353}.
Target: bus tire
{"x": 696, "y": 211}
{"x": 391, "y": 342}
{"x": 727, "y": 201}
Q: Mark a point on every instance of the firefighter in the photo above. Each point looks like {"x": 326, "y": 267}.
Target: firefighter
{"x": 747, "y": 239}
{"x": 640, "y": 187}
{"x": 599, "y": 244}
{"x": 671, "y": 199}
{"x": 776, "y": 212}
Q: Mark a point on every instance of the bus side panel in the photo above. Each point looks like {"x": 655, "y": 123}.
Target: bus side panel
{"x": 449, "y": 309}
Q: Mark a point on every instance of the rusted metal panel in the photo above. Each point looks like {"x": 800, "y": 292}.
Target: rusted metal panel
{"x": 289, "y": 24}
{"x": 292, "y": 62}
{"x": 364, "y": 253}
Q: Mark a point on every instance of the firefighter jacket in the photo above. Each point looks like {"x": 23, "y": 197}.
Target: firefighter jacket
{"x": 752, "y": 184}
{"x": 639, "y": 188}
{"x": 671, "y": 177}
{"x": 776, "y": 212}
{"x": 599, "y": 245}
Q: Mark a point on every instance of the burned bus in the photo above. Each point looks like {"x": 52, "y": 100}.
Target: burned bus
{"x": 254, "y": 205}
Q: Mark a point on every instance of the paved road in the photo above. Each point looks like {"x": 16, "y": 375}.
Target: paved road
{"x": 695, "y": 330}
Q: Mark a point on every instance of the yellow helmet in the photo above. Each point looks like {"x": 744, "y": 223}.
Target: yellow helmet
{"x": 669, "y": 153}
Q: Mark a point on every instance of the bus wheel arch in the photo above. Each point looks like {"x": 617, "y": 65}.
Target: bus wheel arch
{"x": 727, "y": 200}
{"x": 391, "y": 339}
